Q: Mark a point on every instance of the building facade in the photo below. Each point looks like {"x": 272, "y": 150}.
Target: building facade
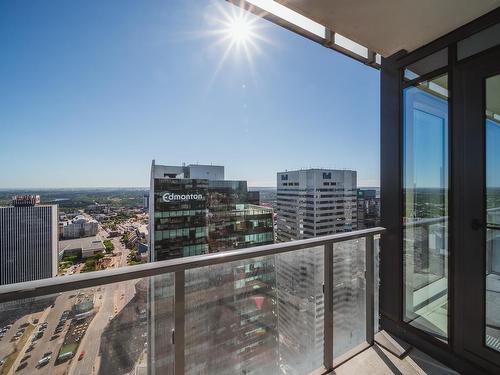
{"x": 315, "y": 202}
{"x": 311, "y": 203}
{"x": 28, "y": 241}
{"x": 368, "y": 208}
{"x": 79, "y": 227}
{"x": 82, "y": 247}
{"x": 195, "y": 211}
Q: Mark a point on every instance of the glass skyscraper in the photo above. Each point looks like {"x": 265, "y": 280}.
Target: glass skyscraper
{"x": 194, "y": 211}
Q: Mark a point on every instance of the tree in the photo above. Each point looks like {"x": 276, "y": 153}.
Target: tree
{"x": 109, "y": 246}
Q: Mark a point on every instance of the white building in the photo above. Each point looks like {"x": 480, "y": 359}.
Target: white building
{"x": 80, "y": 226}
{"x": 315, "y": 202}
{"x": 84, "y": 247}
{"x": 28, "y": 241}
{"x": 311, "y": 203}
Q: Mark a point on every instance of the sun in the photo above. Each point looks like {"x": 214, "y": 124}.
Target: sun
{"x": 239, "y": 33}
{"x": 240, "y": 30}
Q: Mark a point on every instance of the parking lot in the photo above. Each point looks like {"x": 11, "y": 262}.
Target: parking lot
{"x": 34, "y": 351}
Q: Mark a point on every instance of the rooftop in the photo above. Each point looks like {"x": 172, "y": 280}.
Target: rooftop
{"x": 84, "y": 243}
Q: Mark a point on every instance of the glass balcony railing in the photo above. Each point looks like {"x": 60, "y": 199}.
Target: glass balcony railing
{"x": 288, "y": 308}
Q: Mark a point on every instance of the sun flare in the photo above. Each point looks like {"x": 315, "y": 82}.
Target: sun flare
{"x": 239, "y": 34}
{"x": 239, "y": 29}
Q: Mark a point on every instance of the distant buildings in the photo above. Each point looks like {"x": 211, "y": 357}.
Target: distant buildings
{"x": 28, "y": 240}
{"x": 368, "y": 208}
{"x": 79, "y": 226}
{"x": 311, "y": 203}
{"x": 97, "y": 208}
{"x": 193, "y": 210}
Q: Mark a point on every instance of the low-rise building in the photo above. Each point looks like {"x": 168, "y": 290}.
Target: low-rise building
{"x": 80, "y": 226}
{"x": 97, "y": 208}
{"x": 83, "y": 247}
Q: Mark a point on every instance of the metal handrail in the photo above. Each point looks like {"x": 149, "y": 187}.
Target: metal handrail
{"x": 55, "y": 285}
{"x": 426, "y": 221}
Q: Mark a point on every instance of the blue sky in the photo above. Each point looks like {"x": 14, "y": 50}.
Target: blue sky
{"x": 92, "y": 91}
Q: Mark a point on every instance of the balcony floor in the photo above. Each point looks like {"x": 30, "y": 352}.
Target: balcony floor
{"x": 378, "y": 361}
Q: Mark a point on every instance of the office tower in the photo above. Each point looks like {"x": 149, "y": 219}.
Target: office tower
{"x": 229, "y": 309}
{"x": 368, "y": 208}
{"x": 315, "y": 202}
{"x": 28, "y": 240}
{"x": 311, "y": 203}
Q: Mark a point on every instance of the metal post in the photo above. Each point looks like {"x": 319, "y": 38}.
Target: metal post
{"x": 328, "y": 310}
{"x": 179, "y": 323}
{"x": 370, "y": 288}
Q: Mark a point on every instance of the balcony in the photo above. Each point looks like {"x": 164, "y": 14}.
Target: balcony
{"x": 229, "y": 312}
{"x": 332, "y": 303}
{"x": 308, "y": 306}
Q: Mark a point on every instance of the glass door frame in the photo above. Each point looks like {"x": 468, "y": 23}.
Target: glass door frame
{"x": 470, "y": 205}
{"x": 465, "y": 350}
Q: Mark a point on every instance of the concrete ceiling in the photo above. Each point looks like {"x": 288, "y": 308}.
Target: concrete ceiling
{"x": 388, "y": 26}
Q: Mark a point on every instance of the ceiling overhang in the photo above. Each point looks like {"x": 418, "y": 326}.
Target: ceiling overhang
{"x": 382, "y": 27}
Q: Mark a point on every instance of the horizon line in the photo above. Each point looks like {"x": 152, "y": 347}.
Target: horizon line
{"x": 128, "y": 187}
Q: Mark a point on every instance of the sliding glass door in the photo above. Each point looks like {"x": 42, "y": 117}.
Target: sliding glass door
{"x": 425, "y": 212}
{"x": 481, "y": 210}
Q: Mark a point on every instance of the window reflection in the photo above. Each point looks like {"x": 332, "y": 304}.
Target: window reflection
{"x": 493, "y": 212}
{"x": 425, "y": 190}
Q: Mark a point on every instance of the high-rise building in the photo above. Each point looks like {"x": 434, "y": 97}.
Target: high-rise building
{"x": 368, "y": 208}
{"x": 193, "y": 211}
{"x": 311, "y": 203}
{"x": 315, "y": 202}
{"x": 28, "y": 240}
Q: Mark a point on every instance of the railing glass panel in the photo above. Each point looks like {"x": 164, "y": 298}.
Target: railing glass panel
{"x": 349, "y": 295}
{"x": 283, "y": 308}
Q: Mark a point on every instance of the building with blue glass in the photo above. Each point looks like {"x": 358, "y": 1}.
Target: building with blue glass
{"x": 193, "y": 211}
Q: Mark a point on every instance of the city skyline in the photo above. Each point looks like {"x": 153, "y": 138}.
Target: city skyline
{"x": 110, "y": 93}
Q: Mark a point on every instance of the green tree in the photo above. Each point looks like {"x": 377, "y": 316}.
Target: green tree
{"x": 109, "y": 246}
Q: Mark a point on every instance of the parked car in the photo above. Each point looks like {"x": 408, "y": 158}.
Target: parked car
{"x": 82, "y": 354}
{"x": 21, "y": 366}
{"x": 42, "y": 362}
